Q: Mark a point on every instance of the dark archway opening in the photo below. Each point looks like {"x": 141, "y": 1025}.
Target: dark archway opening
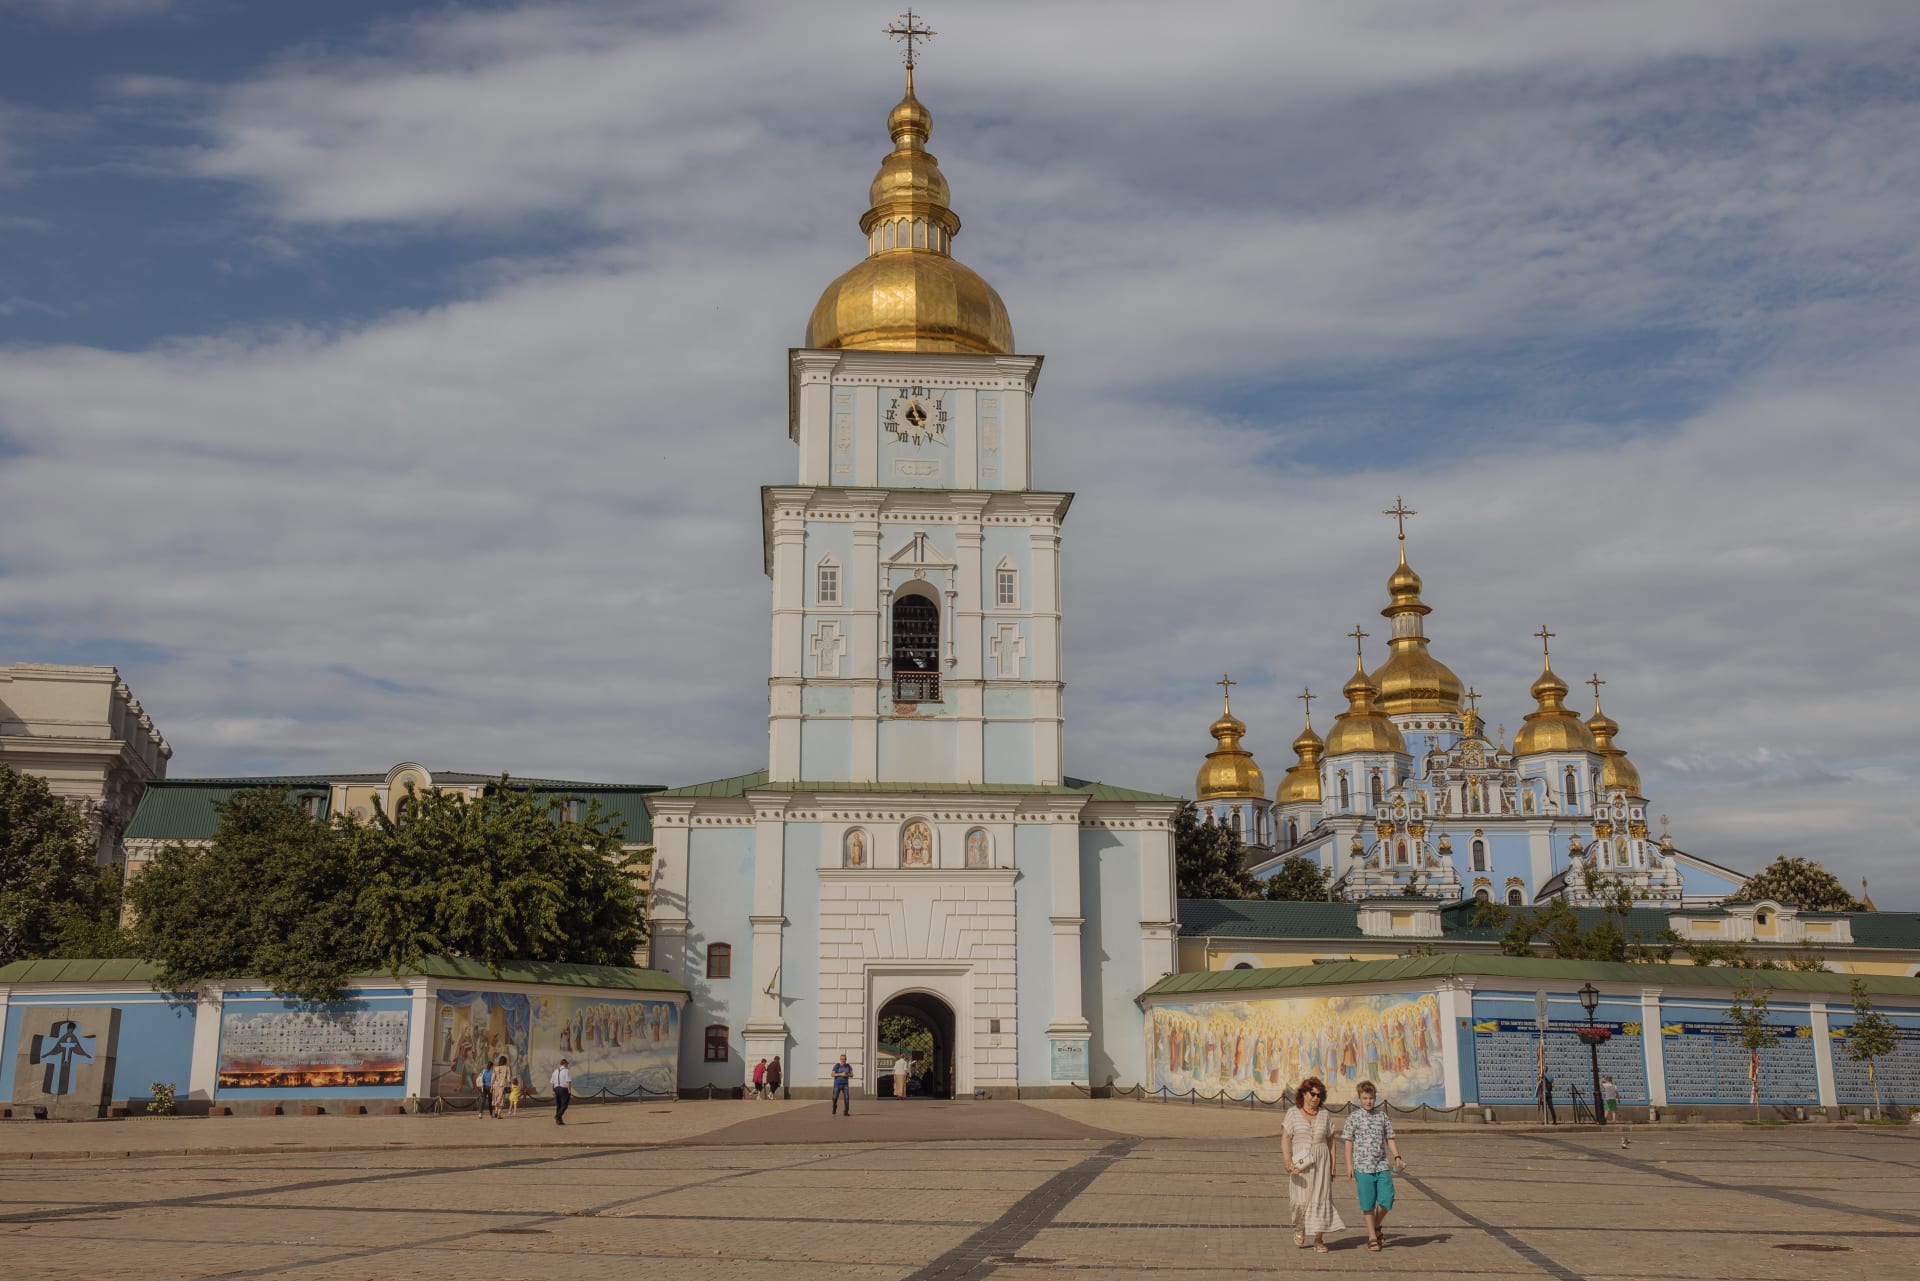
{"x": 920, "y": 1027}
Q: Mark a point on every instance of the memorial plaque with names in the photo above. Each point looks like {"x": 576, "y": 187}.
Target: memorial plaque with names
{"x": 1504, "y": 1051}
{"x": 1899, "y": 1072}
{"x": 1707, "y": 1064}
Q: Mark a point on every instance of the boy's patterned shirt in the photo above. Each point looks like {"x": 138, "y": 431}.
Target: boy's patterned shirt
{"x": 1368, "y": 1132}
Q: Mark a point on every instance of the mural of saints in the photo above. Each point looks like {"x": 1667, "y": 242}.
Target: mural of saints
{"x": 916, "y": 845}
{"x": 979, "y": 851}
{"x": 856, "y": 855}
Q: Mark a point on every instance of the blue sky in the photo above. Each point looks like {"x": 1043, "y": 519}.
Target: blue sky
{"x": 384, "y": 382}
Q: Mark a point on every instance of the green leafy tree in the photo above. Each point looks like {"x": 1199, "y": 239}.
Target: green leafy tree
{"x": 1567, "y": 935}
{"x": 1207, "y": 859}
{"x": 55, "y": 899}
{"x": 904, "y": 1032}
{"x": 1748, "y": 1011}
{"x": 1802, "y": 882}
{"x": 305, "y": 905}
{"x": 1871, "y": 1037}
{"x": 498, "y": 878}
{"x": 272, "y": 896}
{"x": 1296, "y": 880}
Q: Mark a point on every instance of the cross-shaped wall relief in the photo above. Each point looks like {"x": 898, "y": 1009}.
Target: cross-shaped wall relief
{"x": 827, "y": 646}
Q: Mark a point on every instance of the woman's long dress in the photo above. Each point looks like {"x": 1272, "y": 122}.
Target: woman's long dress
{"x": 1311, "y": 1194}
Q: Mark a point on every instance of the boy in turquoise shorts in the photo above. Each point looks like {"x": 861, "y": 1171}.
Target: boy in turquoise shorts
{"x": 1369, "y": 1139}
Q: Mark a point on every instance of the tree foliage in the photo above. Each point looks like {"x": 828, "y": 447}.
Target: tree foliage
{"x": 1801, "y": 882}
{"x": 1872, "y": 1036}
{"x": 304, "y": 905}
{"x": 1207, "y": 859}
{"x": 55, "y": 898}
{"x": 1296, "y": 880}
{"x": 1736, "y": 956}
{"x": 1748, "y": 1011}
{"x": 1567, "y": 935}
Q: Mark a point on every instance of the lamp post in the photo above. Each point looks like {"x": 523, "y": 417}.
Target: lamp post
{"x": 1590, "y": 1001}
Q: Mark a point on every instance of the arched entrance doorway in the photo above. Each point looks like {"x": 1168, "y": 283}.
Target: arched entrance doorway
{"x": 921, "y": 1025}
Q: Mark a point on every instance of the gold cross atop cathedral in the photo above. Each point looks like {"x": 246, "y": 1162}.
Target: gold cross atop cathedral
{"x": 1545, "y": 636}
{"x": 1358, "y": 636}
{"x": 1306, "y": 695}
{"x": 1473, "y": 700}
{"x": 911, "y": 30}
{"x": 1596, "y": 682}
{"x": 1226, "y": 684}
{"x": 1400, "y": 511}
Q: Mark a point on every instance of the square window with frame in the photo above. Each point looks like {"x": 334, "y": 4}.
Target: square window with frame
{"x": 719, "y": 960}
{"x": 717, "y": 1043}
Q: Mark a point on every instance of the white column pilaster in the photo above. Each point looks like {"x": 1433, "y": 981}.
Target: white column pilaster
{"x": 1456, "y": 1003}
{"x": 1829, "y": 1093}
{"x": 203, "y": 1072}
{"x": 1069, "y": 991}
{"x": 1655, "y": 1045}
{"x": 420, "y": 1038}
{"x": 766, "y": 1029}
{"x": 667, "y": 904}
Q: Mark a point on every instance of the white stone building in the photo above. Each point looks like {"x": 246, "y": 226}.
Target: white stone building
{"x": 84, "y": 732}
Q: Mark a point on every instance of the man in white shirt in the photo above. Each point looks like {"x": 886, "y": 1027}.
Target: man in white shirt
{"x": 562, "y": 1082}
{"x": 900, "y": 1066}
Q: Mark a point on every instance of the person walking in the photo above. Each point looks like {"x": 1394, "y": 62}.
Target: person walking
{"x": 760, "y": 1079}
{"x": 1369, "y": 1139}
{"x": 1610, "y": 1093}
{"x": 900, "y": 1069}
{"x": 562, "y": 1083}
{"x": 483, "y": 1091}
{"x": 500, "y": 1078}
{"x": 1543, "y": 1095}
{"x": 513, "y": 1097}
{"x": 842, "y": 1087}
{"x": 773, "y": 1078}
{"x": 1306, "y": 1147}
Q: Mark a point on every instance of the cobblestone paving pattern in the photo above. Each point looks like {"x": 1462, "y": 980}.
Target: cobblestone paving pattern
{"x": 1717, "y": 1202}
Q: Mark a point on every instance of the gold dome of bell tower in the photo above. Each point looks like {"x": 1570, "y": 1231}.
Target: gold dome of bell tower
{"x": 910, "y": 293}
{"x": 1412, "y": 681}
{"x": 1230, "y": 771}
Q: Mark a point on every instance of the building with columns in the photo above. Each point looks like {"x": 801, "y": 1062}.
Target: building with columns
{"x": 914, "y": 845}
{"x": 83, "y": 731}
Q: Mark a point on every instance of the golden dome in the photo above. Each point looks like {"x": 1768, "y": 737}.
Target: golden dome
{"x": 1230, "y": 770}
{"x": 1551, "y": 727}
{"x": 1363, "y": 727}
{"x": 1413, "y": 680}
{"x": 909, "y": 294}
{"x": 1301, "y": 783}
{"x": 1617, "y": 773}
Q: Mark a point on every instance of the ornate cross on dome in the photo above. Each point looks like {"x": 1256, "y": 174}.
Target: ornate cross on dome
{"x": 1596, "y": 682}
{"x": 1226, "y": 684}
{"x": 1306, "y": 696}
{"x": 1545, "y": 636}
{"x": 1473, "y": 700}
{"x": 1400, "y": 511}
{"x": 910, "y": 29}
{"x": 1358, "y": 636}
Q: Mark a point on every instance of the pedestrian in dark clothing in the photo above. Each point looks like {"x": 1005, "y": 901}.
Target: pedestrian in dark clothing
{"x": 773, "y": 1078}
{"x": 1544, "y": 1096}
{"x": 843, "y": 1086}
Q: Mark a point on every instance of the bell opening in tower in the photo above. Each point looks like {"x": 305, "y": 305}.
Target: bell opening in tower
{"x": 916, "y": 649}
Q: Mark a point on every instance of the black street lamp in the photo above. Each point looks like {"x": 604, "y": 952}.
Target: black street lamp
{"x": 1590, "y": 1001}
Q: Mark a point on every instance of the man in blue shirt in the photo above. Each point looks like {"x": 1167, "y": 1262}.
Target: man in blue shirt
{"x": 843, "y": 1086}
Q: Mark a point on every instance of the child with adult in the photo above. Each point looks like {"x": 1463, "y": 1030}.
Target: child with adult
{"x": 1306, "y": 1147}
{"x": 1369, "y": 1139}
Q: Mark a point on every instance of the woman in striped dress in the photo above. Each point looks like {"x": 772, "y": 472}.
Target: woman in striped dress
{"x": 1306, "y": 1147}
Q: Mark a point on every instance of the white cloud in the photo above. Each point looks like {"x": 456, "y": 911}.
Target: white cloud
{"x": 537, "y": 501}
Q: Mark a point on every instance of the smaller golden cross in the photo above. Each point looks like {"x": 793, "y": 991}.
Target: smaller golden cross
{"x": 1226, "y": 684}
{"x": 1400, "y": 511}
{"x": 1545, "y": 636}
{"x": 1306, "y": 696}
{"x": 1473, "y": 700}
{"x": 910, "y": 29}
{"x": 1596, "y": 682}
{"x": 1358, "y": 636}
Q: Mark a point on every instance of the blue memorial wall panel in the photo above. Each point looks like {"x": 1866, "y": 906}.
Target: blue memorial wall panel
{"x": 1707, "y": 1064}
{"x": 1898, "y": 1073}
{"x": 1508, "y": 1049}
{"x": 156, "y": 1038}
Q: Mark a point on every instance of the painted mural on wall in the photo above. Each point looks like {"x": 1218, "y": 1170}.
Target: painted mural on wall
{"x": 1268, "y": 1046}
{"x": 614, "y": 1045}
{"x": 311, "y": 1048}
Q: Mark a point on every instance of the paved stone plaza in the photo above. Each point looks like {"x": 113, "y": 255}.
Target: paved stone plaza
{"x": 750, "y": 1191}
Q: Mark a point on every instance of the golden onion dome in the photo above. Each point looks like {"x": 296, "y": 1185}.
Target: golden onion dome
{"x": 1301, "y": 783}
{"x": 1551, "y": 726}
{"x": 1230, "y": 770}
{"x": 1363, "y": 727}
{"x": 1412, "y": 680}
{"x": 909, "y": 293}
{"x": 1617, "y": 773}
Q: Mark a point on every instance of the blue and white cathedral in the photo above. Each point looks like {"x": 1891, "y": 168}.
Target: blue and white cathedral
{"x": 1408, "y": 793}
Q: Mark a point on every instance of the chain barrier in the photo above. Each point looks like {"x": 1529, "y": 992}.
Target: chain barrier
{"x": 1222, "y": 1097}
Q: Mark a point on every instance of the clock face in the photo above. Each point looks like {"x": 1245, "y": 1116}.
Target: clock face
{"x": 916, "y": 417}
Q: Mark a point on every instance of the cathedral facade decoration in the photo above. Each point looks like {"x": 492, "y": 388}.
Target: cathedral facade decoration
{"x": 1409, "y": 795}
{"x": 914, "y": 844}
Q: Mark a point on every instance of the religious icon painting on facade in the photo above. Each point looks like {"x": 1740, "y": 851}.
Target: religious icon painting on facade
{"x": 856, "y": 849}
{"x": 979, "y": 849}
{"x": 916, "y": 845}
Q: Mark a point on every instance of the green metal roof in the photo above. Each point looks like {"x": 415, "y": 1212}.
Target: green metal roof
{"x": 182, "y": 809}
{"x": 1885, "y": 929}
{"x": 740, "y": 784}
{"x": 554, "y": 973}
{"x": 1528, "y": 968}
{"x": 1259, "y": 919}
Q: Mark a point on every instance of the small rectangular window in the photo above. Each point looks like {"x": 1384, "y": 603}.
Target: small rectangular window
{"x": 1007, "y": 591}
{"x": 716, "y": 1043}
{"x": 719, "y": 960}
{"x": 829, "y": 592}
